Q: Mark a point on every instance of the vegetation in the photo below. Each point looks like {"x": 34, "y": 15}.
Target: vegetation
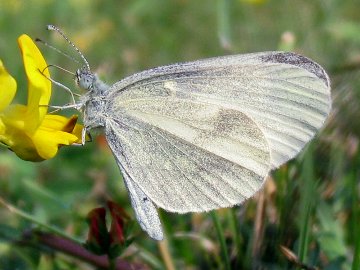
{"x": 307, "y": 215}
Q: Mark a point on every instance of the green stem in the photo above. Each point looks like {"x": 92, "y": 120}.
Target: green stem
{"x": 112, "y": 263}
{"x": 234, "y": 223}
{"x": 355, "y": 227}
{"x": 308, "y": 190}
{"x": 220, "y": 234}
{"x": 224, "y": 24}
{"x": 32, "y": 219}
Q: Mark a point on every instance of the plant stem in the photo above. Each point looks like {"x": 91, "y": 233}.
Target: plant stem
{"x": 220, "y": 234}
{"x": 308, "y": 189}
{"x": 165, "y": 254}
{"x": 355, "y": 221}
{"x": 73, "y": 249}
{"x": 234, "y": 223}
{"x": 112, "y": 263}
{"x": 32, "y": 219}
{"x": 224, "y": 24}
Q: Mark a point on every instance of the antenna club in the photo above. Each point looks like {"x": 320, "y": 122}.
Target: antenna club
{"x": 51, "y": 27}
{"x": 56, "y": 29}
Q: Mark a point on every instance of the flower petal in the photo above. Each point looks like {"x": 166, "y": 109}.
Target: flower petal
{"x": 24, "y": 147}
{"x": 53, "y": 133}
{"x": 27, "y": 130}
{"x": 2, "y": 129}
{"x": 13, "y": 117}
{"x": 69, "y": 125}
{"x": 39, "y": 89}
{"x": 13, "y": 136}
{"x": 7, "y": 87}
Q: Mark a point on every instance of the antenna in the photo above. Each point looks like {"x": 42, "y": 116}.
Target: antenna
{"x": 57, "y": 50}
{"x": 54, "y": 28}
{"x": 58, "y": 67}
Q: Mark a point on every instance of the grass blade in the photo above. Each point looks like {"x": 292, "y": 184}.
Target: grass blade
{"x": 307, "y": 193}
{"x": 220, "y": 234}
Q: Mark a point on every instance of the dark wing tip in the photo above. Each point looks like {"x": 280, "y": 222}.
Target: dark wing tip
{"x": 299, "y": 61}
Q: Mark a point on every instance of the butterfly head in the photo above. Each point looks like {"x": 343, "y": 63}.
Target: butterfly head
{"x": 84, "y": 78}
{"x": 90, "y": 82}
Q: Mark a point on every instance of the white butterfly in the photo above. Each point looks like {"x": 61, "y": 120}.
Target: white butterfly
{"x": 197, "y": 136}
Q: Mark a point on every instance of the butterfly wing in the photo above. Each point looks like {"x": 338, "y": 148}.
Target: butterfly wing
{"x": 287, "y": 95}
{"x": 193, "y": 160}
{"x": 191, "y": 157}
{"x": 203, "y": 135}
{"x": 144, "y": 208}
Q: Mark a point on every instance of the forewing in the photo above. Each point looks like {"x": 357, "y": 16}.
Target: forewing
{"x": 190, "y": 156}
{"x": 285, "y": 94}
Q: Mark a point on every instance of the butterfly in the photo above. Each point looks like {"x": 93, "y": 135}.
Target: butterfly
{"x": 203, "y": 135}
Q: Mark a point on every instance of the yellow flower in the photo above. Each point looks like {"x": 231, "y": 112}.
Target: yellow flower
{"x": 28, "y": 130}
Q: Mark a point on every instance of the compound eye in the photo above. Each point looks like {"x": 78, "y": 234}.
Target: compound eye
{"x": 85, "y": 81}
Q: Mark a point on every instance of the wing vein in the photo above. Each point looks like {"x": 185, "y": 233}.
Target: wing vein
{"x": 205, "y": 169}
{"x": 175, "y": 187}
{"x": 193, "y": 182}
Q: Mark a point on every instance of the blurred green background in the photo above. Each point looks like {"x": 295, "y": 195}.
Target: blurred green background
{"x": 310, "y": 206}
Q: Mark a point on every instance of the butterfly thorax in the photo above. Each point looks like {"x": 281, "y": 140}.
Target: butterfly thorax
{"x": 93, "y": 102}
